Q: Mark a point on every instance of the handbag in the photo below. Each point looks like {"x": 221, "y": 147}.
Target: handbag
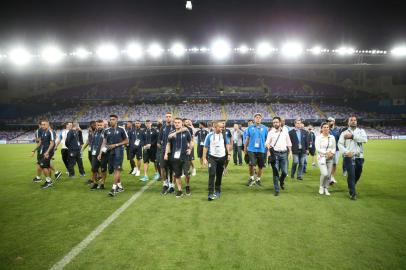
{"x": 323, "y": 159}
{"x": 272, "y": 156}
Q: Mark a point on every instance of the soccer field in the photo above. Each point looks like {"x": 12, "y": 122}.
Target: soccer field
{"x": 248, "y": 228}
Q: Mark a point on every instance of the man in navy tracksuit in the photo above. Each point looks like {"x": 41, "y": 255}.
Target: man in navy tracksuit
{"x": 73, "y": 144}
{"x": 115, "y": 138}
{"x": 95, "y": 151}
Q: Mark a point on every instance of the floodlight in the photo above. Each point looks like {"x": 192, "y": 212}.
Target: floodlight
{"x": 316, "y": 50}
{"x": 178, "y": 49}
{"x": 107, "y": 52}
{"x": 20, "y": 56}
{"x": 134, "y": 51}
{"x": 345, "y": 51}
{"x": 243, "y": 49}
{"x": 292, "y": 49}
{"x": 264, "y": 49}
{"x": 399, "y": 51}
{"x": 155, "y": 50}
{"x": 220, "y": 49}
{"x": 188, "y": 5}
{"x": 81, "y": 53}
{"x": 52, "y": 55}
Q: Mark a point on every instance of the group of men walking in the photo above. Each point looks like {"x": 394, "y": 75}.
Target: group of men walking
{"x": 170, "y": 147}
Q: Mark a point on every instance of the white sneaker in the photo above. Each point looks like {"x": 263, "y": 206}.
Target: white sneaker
{"x": 134, "y": 171}
{"x": 326, "y": 192}
{"x": 345, "y": 174}
{"x": 314, "y": 165}
{"x": 138, "y": 173}
{"x": 194, "y": 172}
{"x": 321, "y": 190}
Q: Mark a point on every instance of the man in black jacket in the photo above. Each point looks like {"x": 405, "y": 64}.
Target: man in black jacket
{"x": 149, "y": 140}
{"x": 300, "y": 146}
{"x": 74, "y": 145}
{"x": 201, "y": 136}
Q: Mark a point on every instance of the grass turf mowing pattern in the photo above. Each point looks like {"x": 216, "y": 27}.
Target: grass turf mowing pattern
{"x": 248, "y": 228}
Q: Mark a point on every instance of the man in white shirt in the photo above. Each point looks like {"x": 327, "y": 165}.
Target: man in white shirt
{"x": 215, "y": 153}
{"x": 351, "y": 146}
{"x": 280, "y": 147}
{"x": 61, "y": 140}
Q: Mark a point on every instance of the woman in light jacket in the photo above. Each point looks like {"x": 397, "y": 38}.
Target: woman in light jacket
{"x": 326, "y": 147}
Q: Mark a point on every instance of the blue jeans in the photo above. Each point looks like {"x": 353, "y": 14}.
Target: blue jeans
{"x": 353, "y": 166}
{"x": 305, "y": 164}
{"x": 298, "y": 159}
{"x": 281, "y": 164}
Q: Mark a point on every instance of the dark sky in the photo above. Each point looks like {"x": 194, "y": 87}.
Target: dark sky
{"x": 364, "y": 24}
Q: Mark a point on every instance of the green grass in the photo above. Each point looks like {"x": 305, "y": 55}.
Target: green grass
{"x": 248, "y": 228}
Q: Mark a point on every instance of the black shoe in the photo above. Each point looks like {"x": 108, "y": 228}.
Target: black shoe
{"x": 46, "y": 185}
{"x": 94, "y": 187}
{"x": 282, "y": 184}
{"x": 353, "y": 197}
{"x": 164, "y": 190}
{"x": 258, "y": 183}
{"x": 58, "y": 175}
{"x": 276, "y": 193}
{"x": 112, "y": 192}
{"x": 300, "y": 178}
{"x": 100, "y": 186}
{"x": 188, "y": 191}
{"x": 36, "y": 180}
{"x": 171, "y": 190}
{"x": 119, "y": 189}
{"x": 179, "y": 194}
{"x": 250, "y": 182}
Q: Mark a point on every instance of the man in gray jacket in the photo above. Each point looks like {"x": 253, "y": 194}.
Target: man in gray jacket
{"x": 351, "y": 146}
{"x": 237, "y": 144}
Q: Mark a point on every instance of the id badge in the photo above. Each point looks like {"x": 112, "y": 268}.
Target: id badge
{"x": 93, "y": 152}
{"x": 202, "y": 143}
{"x": 176, "y": 155}
{"x": 40, "y": 152}
{"x": 217, "y": 150}
{"x": 257, "y": 143}
{"x": 104, "y": 149}
{"x": 137, "y": 142}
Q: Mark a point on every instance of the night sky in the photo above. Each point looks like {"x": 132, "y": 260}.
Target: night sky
{"x": 363, "y": 24}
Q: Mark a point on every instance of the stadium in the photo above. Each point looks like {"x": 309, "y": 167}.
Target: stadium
{"x": 329, "y": 195}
